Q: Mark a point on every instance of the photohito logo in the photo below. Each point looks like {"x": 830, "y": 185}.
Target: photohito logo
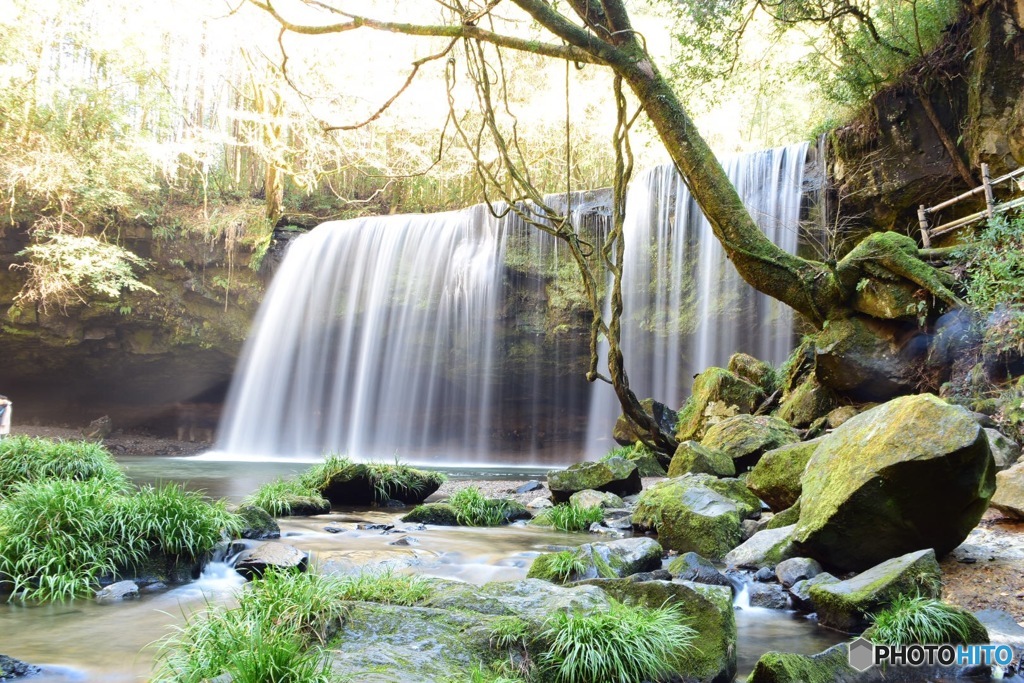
{"x": 863, "y": 654}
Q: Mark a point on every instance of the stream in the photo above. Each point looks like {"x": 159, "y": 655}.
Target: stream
{"x": 94, "y": 643}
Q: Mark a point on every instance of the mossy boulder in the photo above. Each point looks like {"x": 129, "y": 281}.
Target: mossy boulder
{"x": 755, "y": 371}
{"x": 709, "y": 611}
{"x": 912, "y": 473}
{"x": 595, "y": 499}
{"x": 624, "y": 432}
{"x": 614, "y": 475}
{"x": 306, "y": 506}
{"x": 1009, "y": 495}
{"x": 846, "y": 605}
{"x": 257, "y": 523}
{"x": 366, "y": 484}
{"x": 646, "y": 461}
{"x": 830, "y": 666}
{"x": 441, "y": 514}
{"x": 766, "y": 548}
{"x": 714, "y": 386}
{"x": 775, "y": 478}
{"x": 807, "y": 402}
{"x": 788, "y": 517}
{"x": 692, "y": 458}
{"x": 613, "y": 559}
{"x": 867, "y": 359}
{"x": 697, "y": 512}
{"x": 744, "y": 438}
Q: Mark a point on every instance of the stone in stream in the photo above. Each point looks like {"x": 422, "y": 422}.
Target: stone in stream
{"x": 607, "y": 560}
{"x": 796, "y": 569}
{"x": 696, "y": 512}
{"x": 258, "y": 524}
{"x": 764, "y": 549}
{"x": 116, "y": 592}
{"x": 252, "y": 562}
{"x": 800, "y": 592}
{"x": 693, "y": 567}
{"x": 614, "y": 475}
{"x": 11, "y": 668}
{"x": 529, "y": 487}
{"x": 913, "y": 473}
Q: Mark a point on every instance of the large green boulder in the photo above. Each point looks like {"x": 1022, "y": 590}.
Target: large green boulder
{"x": 697, "y": 512}
{"x": 692, "y": 458}
{"x": 715, "y": 387}
{"x": 614, "y": 475}
{"x": 1009, "y": 495}
{"x": 366, "y": 484}
{"x": 708, "y": 611}
{"x": 624, "y": 432}
{"x": 912, "y": 473}
{"x": 744, "y": 438}
{"x": 847, "y": 605}
{"x": 775, "y": 478}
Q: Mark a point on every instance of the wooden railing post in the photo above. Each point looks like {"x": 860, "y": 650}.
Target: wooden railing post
{"x": 986, "y": 181}
{"x": 922, "y": 219}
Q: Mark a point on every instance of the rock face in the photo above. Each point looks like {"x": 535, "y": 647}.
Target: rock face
{"x": 692, "y": 458}
{"x": 775, "y": 478}
{"x": 744, "y": 438}
{"x": 614, "y": 475}
{"x": 755, "y": 371}
{"x": 912, "y": 473}
{"x": 1009, "y": 495}
{"x": 715, "y": 387}
{"x": 846, "y": 605}
{"x": 697, "y": 512}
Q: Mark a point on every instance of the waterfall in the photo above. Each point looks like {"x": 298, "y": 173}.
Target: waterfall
{"x": 685, "y": 306}
{"x": 455, "y": 338}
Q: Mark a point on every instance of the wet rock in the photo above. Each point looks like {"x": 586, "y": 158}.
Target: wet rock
{"x": 11, "y": 668}
{"x": 715, "y": 386}
{"x": 595, "y": 499}
{"x": 764, "y": 549}
{"x": 845, "y": 605}
{"x": 800, "y": 592}
{"x": 744, "y": 438}
{"x": 117, "y": 592}
{"x": 696, "y": 512}
{"x": 621, "y": 520}
{"x": 370, "y": 526}
{"x": 1009, "y": 495}
{"x": 257, "y": 523}
{"x": 611, "y": 559}
{"x": 614, "y": 475}
{"x": 775, "y": 478}
{"x": 693, "y": 567}
{"x": 869, "y": 487}
{"x": 1005, "y": 451}
{"x": 404, "y": 541}
{"x": 768, "y": 595}
{"x": 531, "y": 599}
{"x": 529, "y": 487}
{"x": 1002, "y": 627}
{"x": 624, "y": 432}
{"x": 796, "y": 569}
{"x": 253, "y": 562}
{"x": 764, "y": 574}
{"x": 349, "y": 562}
{"x": 692, "y": 458}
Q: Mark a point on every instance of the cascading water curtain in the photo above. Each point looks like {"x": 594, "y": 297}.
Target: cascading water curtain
{"x": 685, "y": 308}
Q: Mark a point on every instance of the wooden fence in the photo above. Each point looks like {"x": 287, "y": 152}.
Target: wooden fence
{"x": 1014, "y": 178}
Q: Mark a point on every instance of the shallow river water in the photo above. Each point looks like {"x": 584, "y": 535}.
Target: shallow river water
{"x": 85, "y": 641}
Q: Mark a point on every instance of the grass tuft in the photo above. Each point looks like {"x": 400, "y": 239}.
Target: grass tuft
{"x": 276, "y": 497}
{"x": 473, "y": 509}
{"x": 917, "y": 619}
{"x": 25, "y": 458}
{"x": 569, "y": 517}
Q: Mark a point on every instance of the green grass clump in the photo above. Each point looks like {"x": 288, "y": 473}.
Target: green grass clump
{"x": 319, "y": 476}
{"x": 276, "y": 633}
{"x": 174, "y": 521}
{"x": 565, "y": 564}
{"x": 59, "y": 538}
{"x": 25, "y": 458}
{"x": 387, "y": 479}
{"x": 625, "y": 644}
{"x": 473, "y": 509}
{"x": 386, "y": 588}
{"x": 569, "y": 517}
{"x": 276, "y": 497}
{"x": 917, "y": 619}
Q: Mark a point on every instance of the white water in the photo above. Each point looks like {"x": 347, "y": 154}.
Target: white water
{"x": 685, "y": 306}
{"x": 424, "y": 337}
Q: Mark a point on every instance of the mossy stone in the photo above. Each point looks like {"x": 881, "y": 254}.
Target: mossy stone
{"x": 441, "y": 514}
{"x": 846, "y": 605}
{"x": 614, "y": 475}
{"x": 697, "y": 512}
{"x": 865, "y": 359}
{"x": 755, "y": 371}
{"x": 613, "y": 559}
{"x": 788, "y": 517}
{"x": 775, "y": 478}
{"x": 357, "y": 485}
{"x": 912, "y": 473}
{"x": 624, "y": 432}
{"x": 766, "y": 548}
{"x": 830, "y": 666}
{"x": 744, "y": 438}
{"x": 807, "y": 402}
{"x": 306, "y": 506}
{"x": 712, "y": 386}
{"x": 257, "y": 523}
{"x": 692, "y": 458}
